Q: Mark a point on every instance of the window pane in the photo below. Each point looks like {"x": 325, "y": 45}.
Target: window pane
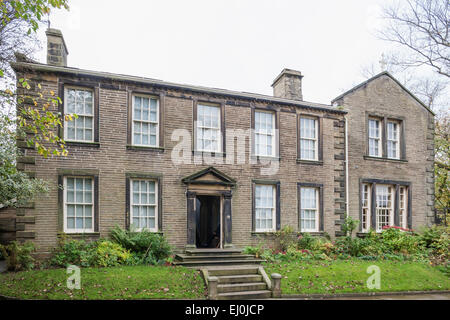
{"x": 79, "y": 223}
{"x": 88, "y": 223}
{"x": 71, "y": 223}
{"x": 137, "y": 108}
{"x": 145, "y": 109}
{"x": 71, "y": 210}
{"x": 151, "y": 223}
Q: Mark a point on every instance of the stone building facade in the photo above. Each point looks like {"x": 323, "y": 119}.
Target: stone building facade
{"x": 213, "y": 168}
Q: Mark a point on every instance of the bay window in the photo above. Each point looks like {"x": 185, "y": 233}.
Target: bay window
{"x": 378, "y": 204}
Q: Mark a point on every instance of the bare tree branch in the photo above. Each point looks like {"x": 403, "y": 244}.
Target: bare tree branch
{"x": 422, "y": 28}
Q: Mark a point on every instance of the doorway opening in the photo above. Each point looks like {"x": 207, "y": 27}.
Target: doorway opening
{"x": 208, "y": 222}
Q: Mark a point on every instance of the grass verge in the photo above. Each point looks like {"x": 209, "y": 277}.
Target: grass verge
{"x": 341, "y": 276}
{"x": 127, "y": 282}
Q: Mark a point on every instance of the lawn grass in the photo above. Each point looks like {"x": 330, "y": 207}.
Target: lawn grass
{"x": 339, "y": 276}
{"x": 127, "y": 282}
{"x": 161, "y": 282}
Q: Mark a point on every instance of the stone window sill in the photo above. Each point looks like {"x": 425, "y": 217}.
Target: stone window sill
{"x": 385, "y": 159}
{"x": 144, "y": 148}
{"x": 265, "y": 158}
{"x": 311, "y": 162}
{"x": 79, "y": 234}
{"x": 263, "y": 233}
{"x": 83, "y": 144}
{"x": 314, "y": 233}
{"x": 208, "y": 154}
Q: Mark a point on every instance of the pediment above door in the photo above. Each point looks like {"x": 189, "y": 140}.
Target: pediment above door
{"x": 209, "y": 176}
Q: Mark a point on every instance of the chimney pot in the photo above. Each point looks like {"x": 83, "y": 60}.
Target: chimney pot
{"x": 288, "y": 85}
{"x": 56, "y": 48}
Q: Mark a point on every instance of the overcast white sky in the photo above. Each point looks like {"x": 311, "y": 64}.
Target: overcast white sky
{"x": 234, "y": 44}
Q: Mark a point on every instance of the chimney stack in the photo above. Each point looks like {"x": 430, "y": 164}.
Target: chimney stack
{"x": 288, "y": 85}
{"x": 56, "y": 48}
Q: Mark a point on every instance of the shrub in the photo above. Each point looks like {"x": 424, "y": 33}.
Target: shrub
{"x": 256, "y": 251}
{"x": 76, "y": 252}
{"x": 285, "y": 237}
{"x": 396, "y": 241}
{"x": 349, "y": 225}
{"x": 437, "y": 239}
{"x": 306, "y": 241}
{"x": 18, "y": 256}
{"x": 109, "y": 254}
{"x": 150, "y": 247}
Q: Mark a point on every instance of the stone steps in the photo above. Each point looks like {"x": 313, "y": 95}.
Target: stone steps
{"x": 244, "y": 278}
{"x": 214, "y": 257}
{"x": 219, "y": 262}
{"x": 237, "y": 282}
{"x": 238, "y": 287}
{"x": 187, "y": 257}
{"x": 233, "y": 271}
{"x": 246, "y": 295}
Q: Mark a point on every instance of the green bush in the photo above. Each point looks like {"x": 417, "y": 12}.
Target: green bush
{"x": 306, "y": 241}
{"x": 150, "y": 247}
{"x": 285, "y": 237}
{"x": 395, "y": 241}
{"x": 74, "y": 252}
{"x": 437, "y": 239}
{"x": 18, "y": 256}
{"x": 109, "y": 254}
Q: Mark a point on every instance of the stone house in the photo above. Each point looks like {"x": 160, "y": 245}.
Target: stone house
{"x": 213, "y": 168}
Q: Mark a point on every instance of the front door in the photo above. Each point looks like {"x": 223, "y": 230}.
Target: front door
{"x": 208, "y": 220}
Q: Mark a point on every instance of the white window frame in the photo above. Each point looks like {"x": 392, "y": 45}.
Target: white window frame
{"x": 218, "y": 129}
{"x": 396, "y": 140}
{"x": 315, "y": 139}
{"x": 266, "y": 133}
{"x": 379, "y": 138}
{"x": 66, "y": 88}
{"x": 274, "y": 195}
{"x": 92, "y": 204}
{"x": 316, "y": 209}
{"x": 403, "y": 206}
{"x": 378, "y": 209}
{"x": 156, "y": 205}
{"x": 148, "y": 122}
{"x": 366, "y": 206}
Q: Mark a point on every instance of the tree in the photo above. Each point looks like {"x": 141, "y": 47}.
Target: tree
{"x": 24, "y": 113}
{"x": 442, "y": 163}
{"x": 421, "y": 27}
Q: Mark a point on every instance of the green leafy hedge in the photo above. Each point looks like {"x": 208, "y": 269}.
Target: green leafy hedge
{"x": 432, "y": 244}
{"x": 124, "y": 248}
